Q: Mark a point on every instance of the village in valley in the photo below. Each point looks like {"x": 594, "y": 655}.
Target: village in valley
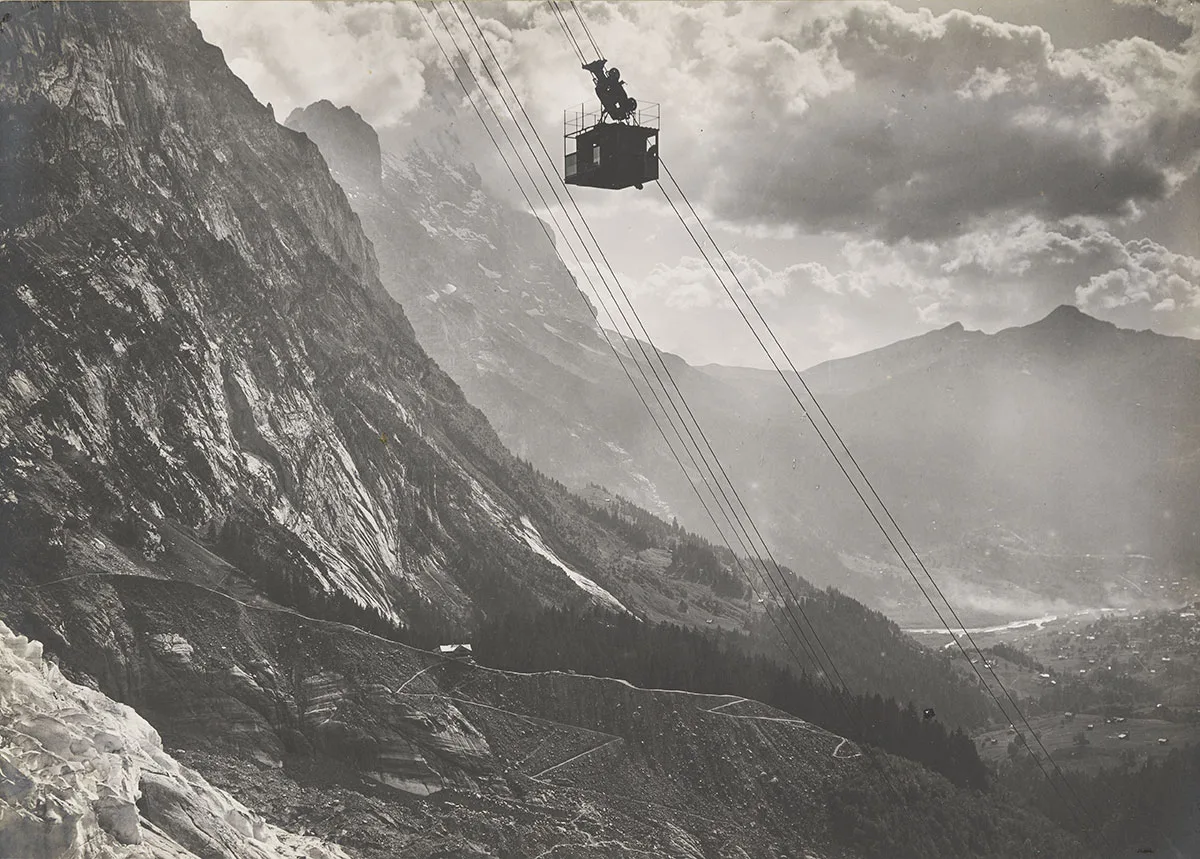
{"x": 1099, "y": 691}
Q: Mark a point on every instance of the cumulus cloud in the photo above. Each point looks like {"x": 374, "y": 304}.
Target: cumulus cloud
{"x": 951, "y": 119}
{"x": 844, "y": 117}
{"x": 881, "y": 171}
{"x": 871, "y": 295}
{"x": 371, "y": 56}
{"x": 692, "y": 283}
{"x": 1148, "y": 277}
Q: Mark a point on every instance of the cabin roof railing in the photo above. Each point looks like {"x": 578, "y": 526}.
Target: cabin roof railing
{"x": 577, "y": 120}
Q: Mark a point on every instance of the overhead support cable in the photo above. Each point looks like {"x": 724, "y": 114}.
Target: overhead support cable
{"x": 858, "y": 491}
{"x": 813, "y": 658}
{"x": 586, "y": 29}
{"x": 561, "y": 17}
{"x": 740, "y": 531}
{"x": 604, "y": 333}
{"x": 787, "y": 605}
{"x": 734, "y": 523}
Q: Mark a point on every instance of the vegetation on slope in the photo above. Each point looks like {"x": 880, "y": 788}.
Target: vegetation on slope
{"x": 670, "y": 656}
{"x": 1151, "y": 807}
{"x": 870, "y": 651}
{"x": 873, "y": 655}
{"x": 913, "y": 814}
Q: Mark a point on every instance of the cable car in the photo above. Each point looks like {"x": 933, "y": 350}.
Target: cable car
{"x": 615, "y": 147}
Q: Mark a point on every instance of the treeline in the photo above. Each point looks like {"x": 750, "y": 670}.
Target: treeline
{"x": 913, "y": 815}
{"x": 640, "y": 527}
{"x": 1015, "y": 656}
{"x": 638, "y": 538}
{"x": 695, "y": 561}
{"x": 875, "y": 656}
{"x": 272, "y": 555}
{"x": 1122, "y": 810}
{"x": 669, "y": 656}
{"x": 693, "y": 558}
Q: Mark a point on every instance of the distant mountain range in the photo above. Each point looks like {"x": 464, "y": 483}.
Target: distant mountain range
{"x": 1043, "y": 468}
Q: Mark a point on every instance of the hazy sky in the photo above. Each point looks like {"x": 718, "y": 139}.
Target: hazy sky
{"x": 872, "y": 170}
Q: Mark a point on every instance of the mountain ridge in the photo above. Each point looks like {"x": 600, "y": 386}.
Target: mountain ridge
{"x": 299, "y": 427}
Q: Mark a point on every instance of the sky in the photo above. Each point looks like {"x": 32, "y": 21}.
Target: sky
{"x": 871, "y": 170}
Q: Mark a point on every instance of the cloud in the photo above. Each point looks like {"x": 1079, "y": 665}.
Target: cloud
{"x": 876, "y": 292}
{"x": 843, "y": 117}
{"x": 949, "y": 120}
{"x": 872, "y": 296}
{"x": 924, "y": 169}
{"x": 371, "y": 56}
{"x": 1151, "y": 280}
{"x": 692, "y": 282}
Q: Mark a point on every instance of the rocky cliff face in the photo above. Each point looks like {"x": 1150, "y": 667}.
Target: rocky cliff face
{"x": 193, "y": 336}
{"x": 496, "y": 309}
{"x": 342, "y": 131}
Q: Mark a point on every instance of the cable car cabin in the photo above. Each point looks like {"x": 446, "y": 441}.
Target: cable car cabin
{"x": 612, "y": 155}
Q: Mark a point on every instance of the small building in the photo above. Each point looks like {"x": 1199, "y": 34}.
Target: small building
{"x": 1122, "y": 736}
{"x": 456, "y": 651}
{"x": 1162, "y": 741}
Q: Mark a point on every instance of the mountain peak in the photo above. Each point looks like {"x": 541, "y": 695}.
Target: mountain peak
{"x": 1069, "y": 314}
{"x": 1066, "y": 311}
{"x": 348, "y": 142}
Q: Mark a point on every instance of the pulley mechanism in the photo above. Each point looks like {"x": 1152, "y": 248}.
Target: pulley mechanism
{"x": 615, "y": 147}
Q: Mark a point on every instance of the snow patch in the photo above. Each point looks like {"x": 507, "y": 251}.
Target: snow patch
{"x": 534, "y": 539}
{"x": 73, "y": 764}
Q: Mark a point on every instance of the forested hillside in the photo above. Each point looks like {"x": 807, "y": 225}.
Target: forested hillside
{"x": 1132, "y": 809}
{"x": 870, "y": 652}
{"x": 665, "y": 656}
